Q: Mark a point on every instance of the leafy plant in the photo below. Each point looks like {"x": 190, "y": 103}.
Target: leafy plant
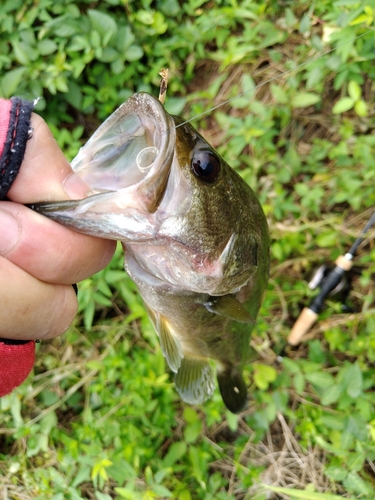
{"x": 100, "y": 417}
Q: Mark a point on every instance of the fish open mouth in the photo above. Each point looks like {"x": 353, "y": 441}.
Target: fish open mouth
{"x": 126, "y": 164}
{"x": 132, "y": 144}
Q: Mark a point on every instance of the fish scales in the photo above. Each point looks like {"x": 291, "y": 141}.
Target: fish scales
{"x": 195, "y": 238}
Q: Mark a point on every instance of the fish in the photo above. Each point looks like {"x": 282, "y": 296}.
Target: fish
{"x": 195, "y": 238}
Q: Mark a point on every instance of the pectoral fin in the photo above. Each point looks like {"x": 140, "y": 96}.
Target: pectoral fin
{"x": 170, "y": 345}
{"x": 230, "y": 307}
{"x": 195, "y": 380}
{"x": 233, "y": 389}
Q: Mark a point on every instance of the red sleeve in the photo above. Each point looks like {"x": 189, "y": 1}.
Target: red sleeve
{"x": 16, "y": 357}
{"x": 16, "y": 362}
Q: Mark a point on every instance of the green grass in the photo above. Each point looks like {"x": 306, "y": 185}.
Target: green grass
{"x": 100, "y": 417}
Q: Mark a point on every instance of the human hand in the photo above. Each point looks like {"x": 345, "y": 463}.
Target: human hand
{"x": 39, "y": 259}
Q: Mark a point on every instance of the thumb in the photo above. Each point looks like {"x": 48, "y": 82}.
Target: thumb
{"x": 45, "y": 173}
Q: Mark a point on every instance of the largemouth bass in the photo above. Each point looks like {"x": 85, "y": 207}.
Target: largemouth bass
{"x": 195, "y": 238}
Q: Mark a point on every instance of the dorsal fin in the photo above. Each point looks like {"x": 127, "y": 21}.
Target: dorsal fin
{"x": 230, "y": 307}
{"x": 233, "y": 389}
{"x": 195, "y": 380}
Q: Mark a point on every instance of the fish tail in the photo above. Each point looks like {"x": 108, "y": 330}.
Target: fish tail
{"x": 232, "y": 388}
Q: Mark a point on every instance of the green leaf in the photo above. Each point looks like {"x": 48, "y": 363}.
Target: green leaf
{"x": 103, "y": 24}
{"x": 176, "y": 452}
{"x": 88, "y": 315}
{"x": 343, "y": 105}
{"x": 21, "y": 52}
{"x": 82, "y": 475}
{"x": 102, "y": 496}
{"x": 190, "y": 415}
{"x": 360, "y": 107}
{"x": 16, "y": 412}
{"x": 109, "y": 54}
{"x": 305, "y": 99}
{"x": 355, "y": 484}
{"x": 332, "y": 394}
{"x": 77, "y": 43}
{"x": 366, "y": 18}
{"x": 127, "y": 493}
{"x": 279, "y": 94}
{"x": 169, "y": 7}
{"x": 145, "y": 17}
{"x": 198, "y": 463}
{"x": 161, "y": 474}
{"x": 193, "y": 431}
{"x": 175, "y": 105}
{"x": 354, "y": 90}
{"x": 161, "y": 491}
{"x": 352, "y": 380}
{"x": 336, "y": 473}
{"x": 102, "y": 299}
{"x": 315, "y": 77}
{"x": 184, "y": 495}
{"x": 113, "y": 276}
{"x": 159, "y": 25}
{"x": 74, "y": 94}
{"x": 291, "y": 365}
{"x": 64, "y": 26}
{"x": 134, "y": 53}
{"x": 264, "y": 375}
{"x": 303, "y": 494}
{"x": 232, "y": 420}
{"x": 356, "y": 461}
{"x": 320, "y": 379}
{"x": 125, "y": 38}
{"x": 333, "y": 421}
{"x": 47, "y": 47}
{"x": 299, "y": 382}
{"x": 326, "y": 239}
{"x": 93, "y": 364}
{"x": 48, "y": 422}
{"x": 9, "y": 83}
{"x": 305, "y": 23}
{"x": 356, "y": 426}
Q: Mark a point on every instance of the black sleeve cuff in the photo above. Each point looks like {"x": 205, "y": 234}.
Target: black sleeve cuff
{"x": 15, "y": 144}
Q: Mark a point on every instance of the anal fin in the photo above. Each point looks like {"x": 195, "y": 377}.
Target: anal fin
{"x": 195, "y": 380}
{"x": 233, "y": 389}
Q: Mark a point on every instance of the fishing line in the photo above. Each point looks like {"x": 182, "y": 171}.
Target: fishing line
{"x": 312, "y": 59}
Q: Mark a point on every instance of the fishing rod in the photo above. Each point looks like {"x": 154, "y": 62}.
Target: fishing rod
{"x": 309, "y": 314}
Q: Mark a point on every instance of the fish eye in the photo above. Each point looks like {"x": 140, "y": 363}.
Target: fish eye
{"x": 206, "y": 165}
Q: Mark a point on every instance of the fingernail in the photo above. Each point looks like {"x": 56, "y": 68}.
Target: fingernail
{"x": 75, "y": 187}
{"x": 10, "y": 231}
